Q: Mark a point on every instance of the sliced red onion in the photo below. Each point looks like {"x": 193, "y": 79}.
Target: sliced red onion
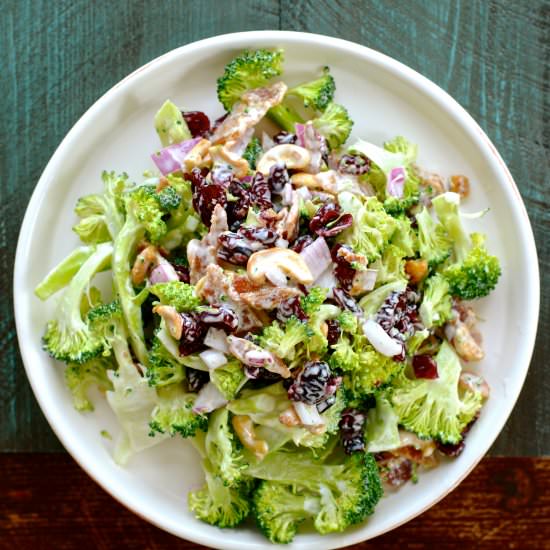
{"x": 213, "y": 358}
{"x": 300, "y": 130}
{"x": 328, "y": 280}
{"x": 396, "y": 182}
{"x": 364, "y": 280}
{"x": 209, "y": 399}
{"x": 380, "y": 340}
{"x": 287, "y": 195}
{"x": 163, "y": 273}
{"x": 170, "y": 158}
{"x": 313, "y": 142}
{"x": 317, "y": 257}
{"x": 308, "y": 414}
{"x": 216, "y": 339}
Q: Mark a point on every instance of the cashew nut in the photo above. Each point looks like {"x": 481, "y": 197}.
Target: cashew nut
{"x": 416, "y": 270}
{"x": 292, "y": 156}
{"x": 289, "y": 417}
{"x": 198, "y": 156}
{"x": 465, "y": 344}
{"x": 261, "y": 263}
{"x": 172, "y": 318}
{"x": 244, "y": 428}
{"x": 144, "y": 260}
{"x": 224, "y": 155}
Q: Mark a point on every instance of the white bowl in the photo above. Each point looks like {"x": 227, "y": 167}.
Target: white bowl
{"x": 385, "y": 99}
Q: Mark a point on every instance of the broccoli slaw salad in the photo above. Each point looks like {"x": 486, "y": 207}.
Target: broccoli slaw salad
{"x": 297, "y": 305}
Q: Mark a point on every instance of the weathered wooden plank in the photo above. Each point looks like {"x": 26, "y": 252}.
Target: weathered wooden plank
{"x": 494, "y": 58}
{"x": 57, "y": 59}
{"x": 49, "y": 502}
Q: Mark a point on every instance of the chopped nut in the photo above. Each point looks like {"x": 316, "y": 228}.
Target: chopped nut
{"x": 465, "y": 344}
{"x": 461, "y": 185}
{"x": 416, "y": 270}
{"x": 244, "y": 428}
{"x": 172, "y": 318}
{"x": 289, "y": 417}
{"x": 198, "y": 156}
{"x": 264, "y": 262}
{"x": 474, "y": 382}
{"x": 162, "y": 184}
{"x": 147, "y": 258}
{"x": 434, "y": 181}
{"x": 292, "y": 156}
{"x": 324, "y": 329}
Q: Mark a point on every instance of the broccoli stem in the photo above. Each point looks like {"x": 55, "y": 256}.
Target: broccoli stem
{"x": 125, "y": 243}
{"x": 285, "y": 117}
{"x": 62, "y": 274}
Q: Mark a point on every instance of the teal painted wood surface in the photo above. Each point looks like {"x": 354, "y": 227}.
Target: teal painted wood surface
{"x": 57, "y": 57}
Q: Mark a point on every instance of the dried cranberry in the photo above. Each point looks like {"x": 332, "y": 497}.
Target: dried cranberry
{"x": 261, "y": 194}
{"x": 193, "y": 334}
{"x": 206, "y": 195}
{"x": 284, "y": 137}
{"x": 311, "y": 383}
{"x": 345, "y": 301}
{"x": 334, "y": 332}
{"x": 425, "y": 367}
{"x": 343, "y": 270}
{"x": 261, "y": 375}
{"x": 291, "y": 308}
{"x": 196, "y": 379}
{"x": 237, "y": 247}
{"x": 197, "y": 122}
{"x": 354, "y": 164}
{"x": 351, "y": 430}
{"x": 398, "y": 315}
{"x": 222, "y": 317}
{"x": 183, "y": 272}
{"x": 301, "y": 242}
{"x": 278, "y": 177}
{"x": 237, "y": 210}
{"x": 395, "y": 470}
{"x": 329, "y": 221}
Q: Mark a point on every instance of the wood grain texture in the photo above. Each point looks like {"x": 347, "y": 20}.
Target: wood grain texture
{"x": 49, "y": 502}
{"x": 60, "y": 56}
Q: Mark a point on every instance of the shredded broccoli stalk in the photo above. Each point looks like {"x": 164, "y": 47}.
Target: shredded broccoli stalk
{"x": 68, "y": 337}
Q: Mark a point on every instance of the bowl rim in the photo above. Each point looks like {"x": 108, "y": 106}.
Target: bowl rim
{"x": 395, "y": 68}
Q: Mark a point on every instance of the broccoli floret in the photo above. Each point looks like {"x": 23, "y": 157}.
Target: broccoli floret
{"x": 170, "y": 124}
{"x": 474, "y": 272}
{"x": 317, "y": 93}
{"x": 347, "y": 321}
{"x": 168, "y": 198}
{"x": 219, "y": 504}
{"x": 372, "y": 226}
{"x": 79, "y": 378}
{"x": 405, "y": 237}
{"x": 334, "y": 124}
{"x": 223, "y": 449}
{"x": 433, "y": 242}
{"x": 251, "y": 69}
{"x": 252, "y": 152}
{"x": 382, "y": 427}
{"x": 313, "y": 300}
{"x": 174, "y": 413}
{"x": 106, "y": 322}
{"x": 163, "y": 368}
{"x": 404, "y": 147}
{"x": 391, "y": 266}
{"x": 145, "y": 203}
{"x": 296, "y": 488}
{"x": 102, "y": 214}
{"x": 286, "y": 117}
{"x": 477, "y": 275}
{"x": 68, "y": 337}
{"x": 436, "y": 305}
{"x": 62, "y": 274}
{"x": 229, "y": 378}
{"x": 283, "y": 340}
{"x": 365, "y": 370}
{"x": 436, "y": 408}
{"x": 178, "y": 294}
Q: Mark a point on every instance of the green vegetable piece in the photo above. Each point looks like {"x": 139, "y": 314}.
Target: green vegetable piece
{"x": 436, "y": 408}
{"x": 436, "y": 305}
{"x": 334, "y": 124}
{"x": 79, "y": 378}
{"x": 177, "y": 294}
{"x": 382, "y": 430}
{"x": 170, "y": 125}
{"x": 252, "y": 152}
{"x": 317, "y": 93}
